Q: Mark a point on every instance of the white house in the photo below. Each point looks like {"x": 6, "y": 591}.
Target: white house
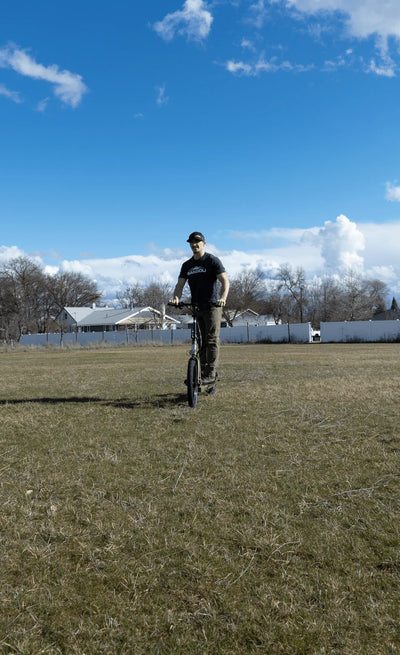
{"x": 250, "y": 317}
{"x": 105, "y": 319}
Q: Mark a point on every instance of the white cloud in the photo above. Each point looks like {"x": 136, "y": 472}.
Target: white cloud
{"x": 12, "y": 95}
{"x": 340, "y": 244}
{"x": 51, "y": 270}
{"x": 392, "y": 192}
{"x": 76, "y": 266}
{"x": 263, "y": 65}
{"x": 382, "y": 246}
{"x": 42, "y": 105}
{"x": 258, "y": 14}
{"x": 162, "y": 99}
{"x": 68, "y": 86}
{"x": 239, "y": 68}
{"x": 386, "y": 68}
{"x": 340, "y": 61}
{"x": 363, "y": 18}
{"x": 372, "y": 248}
{"x": 193, "y": 21}
{"x": 331, "y": 248}
{"x": 247, "y": 44}
{"x": 10, "y": 252}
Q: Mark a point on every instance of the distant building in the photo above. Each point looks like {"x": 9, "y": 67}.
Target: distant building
{"x": 106, "y": 319}
{"x": 250, "y": 317}
{"x": 247, "y": 317}
{"x": 391, "y": 314}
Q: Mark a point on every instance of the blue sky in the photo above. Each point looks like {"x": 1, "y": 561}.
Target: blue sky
{"x": 270, "y": 125}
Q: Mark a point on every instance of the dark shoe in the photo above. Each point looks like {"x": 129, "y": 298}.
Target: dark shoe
{"x": 210, "y": 379}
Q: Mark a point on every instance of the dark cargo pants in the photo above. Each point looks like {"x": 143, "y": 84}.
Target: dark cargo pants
{"x": 210, "y": 325}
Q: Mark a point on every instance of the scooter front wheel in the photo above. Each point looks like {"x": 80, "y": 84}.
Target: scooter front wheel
{"x": 193, "y": 381}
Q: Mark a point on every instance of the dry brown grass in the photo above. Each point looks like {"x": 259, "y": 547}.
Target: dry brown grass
{"x": 264, "y": 521}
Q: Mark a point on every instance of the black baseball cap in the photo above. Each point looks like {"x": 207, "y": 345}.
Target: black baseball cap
{"x": 196, "y": 236}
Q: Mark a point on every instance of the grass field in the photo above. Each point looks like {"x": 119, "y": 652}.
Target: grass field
{"x": 264, "y": 521}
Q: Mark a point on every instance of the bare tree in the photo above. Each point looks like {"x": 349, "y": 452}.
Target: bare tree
{"x": 325, "y": 300}
{"x": 69, "y": 289}
{"x": 295, "y": 284}
{"x": 247, "y": 291}
{"x": 154, "y": 294}
{"x": 362, "y": 297}
{"x": 29, "y": 297}
{"x": 378, "y": 290}
{"x": 23, "y": 292}
{"x": 276, "y": 302}
{"x": 131, "y": 296}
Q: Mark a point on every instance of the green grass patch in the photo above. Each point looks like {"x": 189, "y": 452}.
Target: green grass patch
{"x": 264, "y": 521}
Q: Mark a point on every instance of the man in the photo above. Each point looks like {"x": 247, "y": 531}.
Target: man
{"x": 203, "y": 271}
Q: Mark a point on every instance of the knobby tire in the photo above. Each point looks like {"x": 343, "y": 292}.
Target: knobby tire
{"x": 193, "y": 381}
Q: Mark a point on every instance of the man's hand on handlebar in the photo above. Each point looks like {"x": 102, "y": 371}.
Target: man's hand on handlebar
{"x": 221, "y": 302}
{"x": 174, "y": 301}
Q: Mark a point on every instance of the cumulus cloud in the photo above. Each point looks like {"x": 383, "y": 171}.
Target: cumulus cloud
{"x": 340, "y": 242}
{"x": 113, "y": 274}
{"x": 10, "y": 252}
{"x": 68, "y": 87}
{"x": 333, "y": 247}
{"x": 76, "y": 266}
{"x": 193, "y": 21}
{"x": 363, "y": 18}
{"x": 51, "y": 270}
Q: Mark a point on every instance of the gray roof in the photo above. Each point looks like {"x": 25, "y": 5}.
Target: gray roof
{"x": 78, "y": 313}
{"x": 110, "y": 316}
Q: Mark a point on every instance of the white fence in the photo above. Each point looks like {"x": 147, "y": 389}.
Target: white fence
{"x": 347, "y": 331}
{"x": 292, "y": 333}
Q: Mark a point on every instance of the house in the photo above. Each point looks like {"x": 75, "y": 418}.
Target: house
{"x": 391, "y": 314}
{"x": 106, "y": 319}
{"x": 250, "y": 317}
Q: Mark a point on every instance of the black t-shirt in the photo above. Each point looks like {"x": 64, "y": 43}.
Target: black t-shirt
{"x": 201, "y": 275}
